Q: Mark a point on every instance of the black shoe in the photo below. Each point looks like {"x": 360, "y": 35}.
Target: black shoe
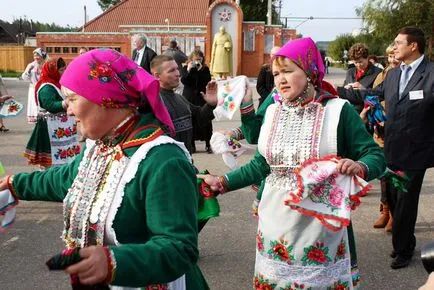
{"x": 400, "y": 262}
{"x": 208, "y": 150}
{"x": 393, "y": 254}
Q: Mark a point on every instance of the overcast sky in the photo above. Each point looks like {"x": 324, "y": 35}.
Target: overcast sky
{"x": 70, "y": 12}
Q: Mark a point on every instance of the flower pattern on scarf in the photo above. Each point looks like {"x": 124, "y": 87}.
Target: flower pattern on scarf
{"x": 316, "y": 254}
{"x": 325, "y": 190}
{"x": 127, "y": 75}
{"x": 281, "y": 251}
{"x": 101, "y": 71}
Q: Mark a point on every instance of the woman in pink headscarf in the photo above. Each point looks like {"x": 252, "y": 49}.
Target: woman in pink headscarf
{"x": 313, "y": 151}
{"x": 130, "y": 198}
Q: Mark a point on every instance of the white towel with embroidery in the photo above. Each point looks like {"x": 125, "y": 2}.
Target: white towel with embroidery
{"x": 229, "y": 148}
{"x": 230, "y": 93}
{"x": 7, "y": 209}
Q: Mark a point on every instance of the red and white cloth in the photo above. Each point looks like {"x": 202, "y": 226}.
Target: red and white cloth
{"x": 326, "y": 194}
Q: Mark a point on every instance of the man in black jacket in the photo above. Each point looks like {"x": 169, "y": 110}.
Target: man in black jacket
{"x": 408, "y": 91}
{"x": 143, "y": 55}
{"x": 165, "y": 70}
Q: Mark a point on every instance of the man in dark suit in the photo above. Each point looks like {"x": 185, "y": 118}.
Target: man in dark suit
{"x": 143, "y": 55}
{"x": 408, "y": 91}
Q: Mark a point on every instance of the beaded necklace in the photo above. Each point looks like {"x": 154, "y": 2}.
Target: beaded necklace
{"x": 294, "y": 138}
{"x": 88, "y": 200}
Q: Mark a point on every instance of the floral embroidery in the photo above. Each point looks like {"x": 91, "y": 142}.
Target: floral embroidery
{"x": 127, "y": 75}
{"x": 263, "y": 284}
{"x": 325, "y": 190}
{"x": 60, "y": 132}
{"x": 226, "y": 99}
{"x": 157, "y": 287}
{"x": 101, "y": 71}
{"x": 260, "y": 242}
{"x": 68, "y": 152}
{"x": 280, "y": 250}
{"x": 339, "y": 285}
{"x": 340, "y": 253}
{"x": 316, "y": 255}
{"x": 14, "y": 108}
{"x": 295, "y": 286}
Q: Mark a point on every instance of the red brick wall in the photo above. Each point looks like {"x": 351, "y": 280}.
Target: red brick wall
{"x": 83, "y": 39}
{"x": 253, "y": 60}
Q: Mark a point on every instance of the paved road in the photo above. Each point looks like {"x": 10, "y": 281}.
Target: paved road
{"x": 227, "y": 244}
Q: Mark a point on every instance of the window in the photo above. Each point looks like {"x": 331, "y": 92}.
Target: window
{"x": 74, "y": 50}
{"x": 65, "y": 50}
{"x": 49, "y": 49}
{"x": 249, "y": 40}
{"x": 269, "y": 43}
{"x": 57, "y": 50}
{"x": 118, "y": 49}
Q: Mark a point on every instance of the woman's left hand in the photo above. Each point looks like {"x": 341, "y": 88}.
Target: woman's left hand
{"x": 349, "y": 167}
{"x": 93, "y": 269}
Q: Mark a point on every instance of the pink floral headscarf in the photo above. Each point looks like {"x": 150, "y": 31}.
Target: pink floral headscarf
{"x": 306, "y": 55}
{"x": 110, "y": 79}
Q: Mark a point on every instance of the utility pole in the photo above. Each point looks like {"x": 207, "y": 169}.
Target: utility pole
{"x": 85, "y": 17}
{"x": 269, "y": 12}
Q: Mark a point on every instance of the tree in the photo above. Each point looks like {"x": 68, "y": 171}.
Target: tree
{"x": 254, "y": 10}
{"x": 383, "y": 18}
{"x": 106, "y": 4}
{"x": 341, "y": 43}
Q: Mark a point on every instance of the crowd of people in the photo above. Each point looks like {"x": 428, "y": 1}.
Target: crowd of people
{"x": 130, "y": 195}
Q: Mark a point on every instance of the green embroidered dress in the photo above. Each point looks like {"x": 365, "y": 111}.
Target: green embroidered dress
{"x": 40, "y": 145}
{"x": 146, "y": 216}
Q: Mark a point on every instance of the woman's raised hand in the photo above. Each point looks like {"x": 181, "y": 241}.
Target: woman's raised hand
{"x": 211, "y": 180}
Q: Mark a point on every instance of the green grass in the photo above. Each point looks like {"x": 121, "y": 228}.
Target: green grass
{"x": 10, "y": 73}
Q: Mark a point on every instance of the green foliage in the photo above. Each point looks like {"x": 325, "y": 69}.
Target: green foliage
{"x": 341, "y": 43}
{"x": 106, "y": 4}
{"x": 384, "y": 18}
{"x": 10, "y": 73}
{"x": 255, "y": 10}
{"x": 43, "y": 27}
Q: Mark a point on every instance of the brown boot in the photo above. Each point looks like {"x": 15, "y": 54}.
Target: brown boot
{"x": 389, "y": 224}
{"x": 384, "y": 217}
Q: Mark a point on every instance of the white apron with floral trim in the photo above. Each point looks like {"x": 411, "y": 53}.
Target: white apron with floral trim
{"x": 295, "y": 250}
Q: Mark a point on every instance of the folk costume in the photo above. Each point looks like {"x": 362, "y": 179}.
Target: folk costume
{"x": 302, "y": 238}
{"x": 32, "y": 73}
{"x": 54, "y": 139}
{"x": 133, "y": 191}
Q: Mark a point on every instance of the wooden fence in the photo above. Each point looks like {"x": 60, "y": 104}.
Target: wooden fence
{"x": 15, "y": 58}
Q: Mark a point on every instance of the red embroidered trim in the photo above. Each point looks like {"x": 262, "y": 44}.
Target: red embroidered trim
{"x": 140, "y": 141}
{"x": 111, "y": 266}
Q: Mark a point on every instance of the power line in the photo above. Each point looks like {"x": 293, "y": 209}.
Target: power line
{"x": 287, "y": 19}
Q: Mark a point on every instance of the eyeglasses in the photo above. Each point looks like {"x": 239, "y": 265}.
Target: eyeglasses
{"x": 399, "y": 42}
